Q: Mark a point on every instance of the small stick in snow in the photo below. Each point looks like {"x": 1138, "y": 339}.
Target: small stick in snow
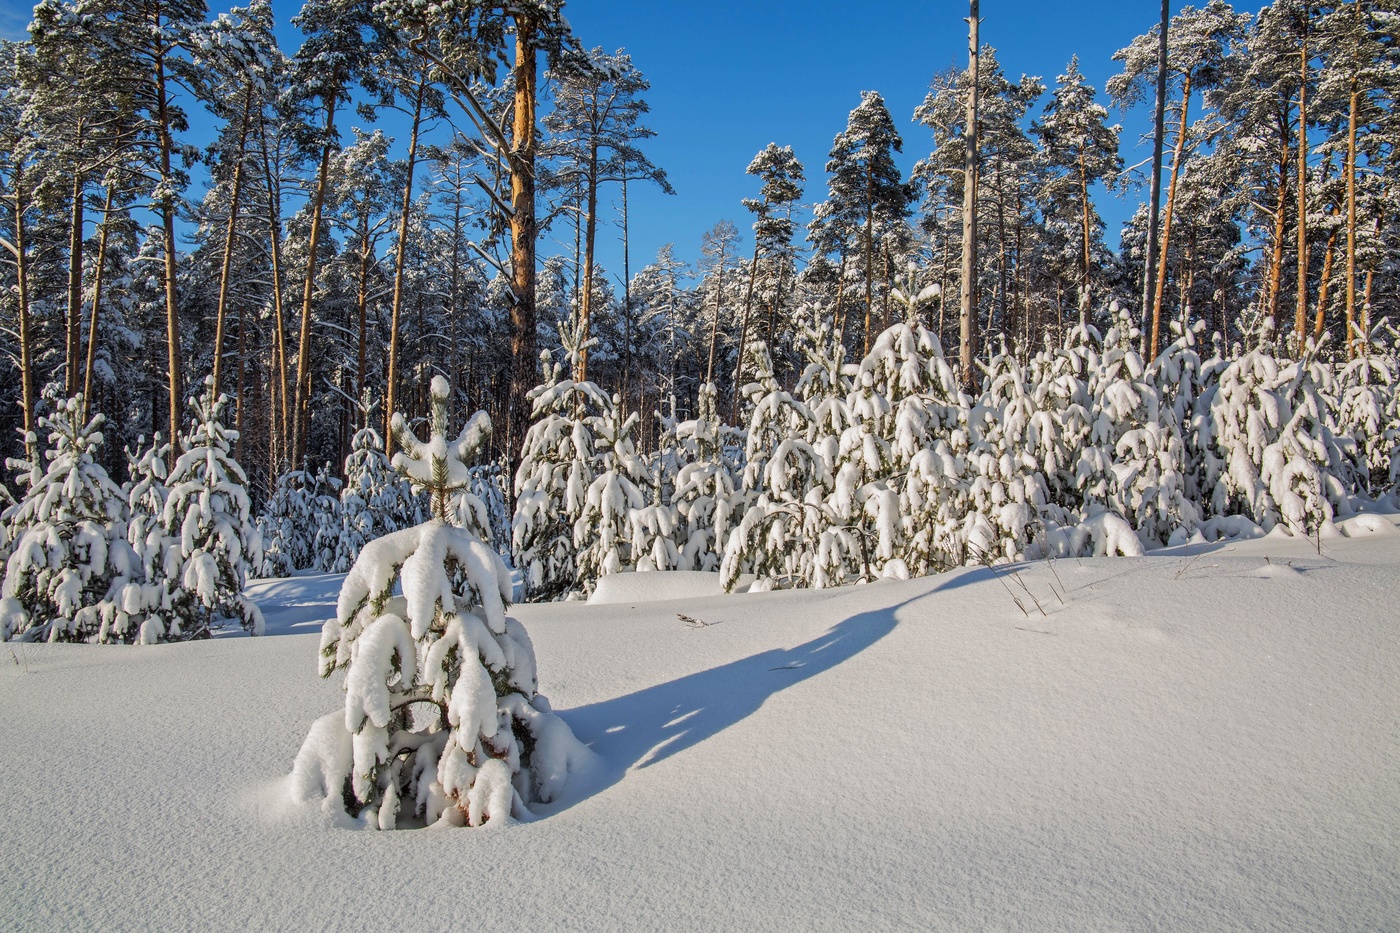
{"x": 694, "y": 622}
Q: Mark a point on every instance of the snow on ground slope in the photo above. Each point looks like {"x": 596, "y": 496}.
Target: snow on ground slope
{"x": 1182, "y": 741}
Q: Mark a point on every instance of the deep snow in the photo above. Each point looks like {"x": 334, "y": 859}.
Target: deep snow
{"x": 1191, "y": 740}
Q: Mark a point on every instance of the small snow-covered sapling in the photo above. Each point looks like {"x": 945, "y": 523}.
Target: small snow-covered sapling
{"x": 441, "y": 714}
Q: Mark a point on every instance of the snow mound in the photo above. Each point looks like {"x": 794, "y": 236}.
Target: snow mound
{"x": 655, "y": 586}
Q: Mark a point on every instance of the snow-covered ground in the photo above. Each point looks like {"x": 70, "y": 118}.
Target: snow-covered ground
{"x": 1185, "y": 741}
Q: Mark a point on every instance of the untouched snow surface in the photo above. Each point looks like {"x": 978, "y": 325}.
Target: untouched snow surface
{"x": 1190, "y": 740}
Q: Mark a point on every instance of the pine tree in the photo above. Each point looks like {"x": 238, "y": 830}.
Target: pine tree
{"x": 1080, "y": 149}
{"x": 374, "y": 501}
{"x": 210, "y": 541}
{"x": 866, "y": 189}
{"x": 442, "y": 715}
{"x": 557, "y": 468}
{"x": 69, "y": 560}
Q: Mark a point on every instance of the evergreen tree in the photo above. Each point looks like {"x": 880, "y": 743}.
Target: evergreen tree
{"x": 442, "y": 714}
{"x": 69, "y": 561}
{"x": 866, "y": 188}
{"x": 210, "y": 541}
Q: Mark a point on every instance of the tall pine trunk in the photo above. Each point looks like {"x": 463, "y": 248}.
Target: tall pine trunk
{"x": 1177, "y": 155}
{"x": 400, "y": 253}
{"x": 1300, "y": 317}
{"x": 523, "y": 229}
{"x": 967, "y": 321}
{"x": 1159, "y": 137}
{"x": 230, "y": 234}
{"x": 97, "y": 284}
{"x": 301, "y": 408}
{"x": 167, "y": 212}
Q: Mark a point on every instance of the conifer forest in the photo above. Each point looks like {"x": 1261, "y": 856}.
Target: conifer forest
{"x": 215, "y": 344}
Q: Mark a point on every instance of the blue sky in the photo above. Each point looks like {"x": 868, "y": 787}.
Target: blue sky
{"x": 730, "y": 76}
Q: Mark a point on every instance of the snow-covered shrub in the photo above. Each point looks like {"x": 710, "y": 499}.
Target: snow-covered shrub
{"x": 785, "y": 485}
{"x": 69, "y": 560}
{"x": 442, "y": 720}
{"x": 1367, "y": 415}
{"x": 1005, "y": 491}
{"x": 557, "y": 467}
{"x": 301, "y": 523}
{"x": 146, "y": 497}
{"x": 374, "y": 501}
{"x": 1282, "y": 459}
{"x": 704, "y": 498}
{"x": 602, "y": 531}
{"x": 210, "y": 542}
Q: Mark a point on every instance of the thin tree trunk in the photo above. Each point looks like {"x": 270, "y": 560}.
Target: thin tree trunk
{"x": 230, "y": 232}
{"x": 590, "y": 236}
{"x": 627, "y": 303}
{"x": 362, "y": 309}
{"x": 967, "y": 322}
{"x": 400, "y": 253}
{"x": 279, "y": 415}
{"x": 522, "y": 231}
{"x": 1159, "y": 135}
{"x": 75, "y": 282}
{"x": 172, "y": 310}
{"x": 1300, "y": 318}
{"x": 1280, "y": 231}
{"x": 26, "y": 346}
{"x": 1167, "y": 219}
{"x": 869, "y": 258}
{"x": 1325, "y": 287}
{"x": 1351, "y": 218}
{"x": 301, "y": 408}
{"x": 97, "y": 283}
{"x": 1084, "y": 271}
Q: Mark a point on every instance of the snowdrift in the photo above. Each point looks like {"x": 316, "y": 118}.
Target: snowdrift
{"x": 1204, "y": 738}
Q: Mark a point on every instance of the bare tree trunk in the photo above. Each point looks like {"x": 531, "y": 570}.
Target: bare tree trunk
{"x": 362, "y": 308}
{"x": 20, "y": 249}
{"x": 1084, "y": 271}
{"x": 1351, "y": 217}
{"x": 627, "y": 303}
{"x": 172, "y": 310}
{"x": 1159, "y": 135}
{"x": 301, "y": 408}
{"x": 1167, "y": 219}
{"x": 97, "y": 283}
{"x": 1300, "y": 318}
{"x": 401, "y": 251}
{"x": 1325, "y": 287}
{"x": 230, "y": 232}
{"x": 75, "y": 282}
{"x": 279, "y": 415}
{"x": 522, "y": 231}
{"x": 967, "y": 322}
{"x": 1280, "y": 231}
{"x": 590, "y": 237}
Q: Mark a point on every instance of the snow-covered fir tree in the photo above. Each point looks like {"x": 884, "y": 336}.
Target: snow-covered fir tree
{"x": 210, "y": 542}
{"x": 301, "y": 523}
{"x": 69, "y": 560}
{"x": 786, "y": 482}
{"x": 557, "y": 468}
{"x": 442, "y": 720}
{"x": 374, "y": 501}
{"x": 704, "y": 495}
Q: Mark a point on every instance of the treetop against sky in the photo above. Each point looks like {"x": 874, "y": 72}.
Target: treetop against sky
{"x": 730, "y": 76}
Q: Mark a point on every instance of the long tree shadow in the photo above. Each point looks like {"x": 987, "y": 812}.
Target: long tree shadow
{"x": 648, "y": 726}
